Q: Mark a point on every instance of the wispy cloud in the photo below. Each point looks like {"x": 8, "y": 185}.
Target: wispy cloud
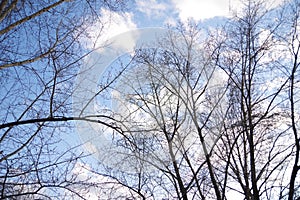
{"x": 109, "y": 25}
{"x": 152, "y": 7}
{"x": 200, "y": 9}
{"x": 203, "y": 9}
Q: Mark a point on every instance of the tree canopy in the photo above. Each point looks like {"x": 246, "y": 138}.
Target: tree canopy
{"x": 199, "y": 114}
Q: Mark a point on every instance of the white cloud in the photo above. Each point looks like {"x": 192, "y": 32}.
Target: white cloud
{"x": 204, "y": 9}
{"x": 201, "y": 9}
{"x": 170, "y": 21}
{"x": 91, "y": 148}
{"x": 83, "y": 173}
{"x": 109, "y": 25}
{"x": 151, "y": 7}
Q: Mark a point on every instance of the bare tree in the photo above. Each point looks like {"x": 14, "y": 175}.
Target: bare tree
{"x": 256, "y": 146}
{"x": 290, "y": 41}
{"x": 40, "y": 56}
{"x": 170, "y": 96}
{"x": 199, "y": 117}
{"x": 169, "y": 106}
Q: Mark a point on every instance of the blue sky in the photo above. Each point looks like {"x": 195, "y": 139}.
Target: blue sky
{"x": 160, "y": 13}
{"x": 155, "y": 13}
{"x": 145, "y": 14}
